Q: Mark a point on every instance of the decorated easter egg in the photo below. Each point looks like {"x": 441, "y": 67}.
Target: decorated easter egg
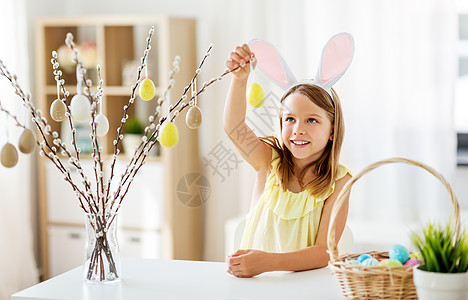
{"x": 399, "y": 252}
{"x": 102, "y": 125}
{"x": 27, "y": 141}
{"x": 370, "y": 262}
{"x": 9, "y": 156}
{"x": 58, "y": 110}
{"x": 256, "y": 95}
{"x": 353, "y": 262}
{"x": 80, "y": 108}
{"x": 363, "y": 257}
{"x": 390, "y": 263}
{"x": 193, "y": 117}
{"x": 147, "y": 89}
{"x": 416, "y": 255}
{"x": 169, "y": 135}
{"x": 412, "y": 262}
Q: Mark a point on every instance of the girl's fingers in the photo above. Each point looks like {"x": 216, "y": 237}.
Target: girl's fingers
{"x": 235, "y": 269}
{"x": 237, "y": 58}
{"x": 231, "y": 64}
{"x": 244, "y": 52}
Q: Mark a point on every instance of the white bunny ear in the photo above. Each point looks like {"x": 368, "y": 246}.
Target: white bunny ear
{"x": 271, "y": 63}
{"x": 335, "y": 60}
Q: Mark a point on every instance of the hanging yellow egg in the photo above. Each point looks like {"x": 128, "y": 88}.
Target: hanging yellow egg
{"x": 27, "y": 141}
{"x": 147, "y": 89}
{"x": 193, "y": 117}
{"x": 169, "y": 135}
{"x": 9, "y": 156}
{"x": 58, "y": 110}
{"x": 256, "y": 95}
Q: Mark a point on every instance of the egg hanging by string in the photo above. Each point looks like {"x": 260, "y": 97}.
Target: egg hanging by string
{"x": 9, "y": 156}
{"x": 80, "y": 108}
{"x": 256, "y": 95}
{"x": 102, "y": 125}
{"x": 147, "y": 89}
{"x": 27, "y": 141}
{"x": 169, "y": 135}
{"x": 194, "y": 115}
{"x": 58, "y": 110}
{"x": 79, "y": 105}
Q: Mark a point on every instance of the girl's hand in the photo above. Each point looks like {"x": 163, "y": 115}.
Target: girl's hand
{"x": 240, "y": 56}
{"x": 248, "y": 263}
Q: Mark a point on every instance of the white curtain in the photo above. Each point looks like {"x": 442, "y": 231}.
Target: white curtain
{"x": 397, "y": 98}
{"x": 18, "y": 267}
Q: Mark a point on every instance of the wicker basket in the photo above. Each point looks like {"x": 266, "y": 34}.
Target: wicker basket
{"x": 378, "y": 282}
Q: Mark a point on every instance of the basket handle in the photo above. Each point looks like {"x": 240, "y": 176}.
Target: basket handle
{"x": 332, "y": 245}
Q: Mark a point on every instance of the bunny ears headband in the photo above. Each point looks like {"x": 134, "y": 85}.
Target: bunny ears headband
{"x": 335, "y": 60}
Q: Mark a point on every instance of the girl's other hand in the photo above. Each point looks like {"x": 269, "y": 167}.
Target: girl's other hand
{"x": 240, "y": 56}
{"x": 248, "y": 263}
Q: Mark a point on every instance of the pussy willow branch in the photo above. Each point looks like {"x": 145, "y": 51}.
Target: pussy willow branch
{"x": 44, "y": 129}
{"x": 147, "y": 144}
{"x": 98, "y": 163}
{"x": 126, "y": 107}
{"x": 73, "y": 160}
{"x": 87, "y": 88}
{"x": 155, "y": 134}
{"x": 130, "y": 170}
{"x": 17, "y": 123}
{"x": 144, "y": 140}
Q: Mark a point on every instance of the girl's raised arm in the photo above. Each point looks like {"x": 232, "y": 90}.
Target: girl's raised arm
{"x": 255, "y": 152}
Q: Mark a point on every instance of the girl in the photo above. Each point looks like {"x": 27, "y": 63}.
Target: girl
{"x": 298, "y": 177}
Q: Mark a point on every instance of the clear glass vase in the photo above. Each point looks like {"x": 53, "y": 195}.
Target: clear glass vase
{"x": 102, "y": 255}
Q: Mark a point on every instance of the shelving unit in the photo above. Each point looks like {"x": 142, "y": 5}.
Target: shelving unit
{"x": 153, "y": 222}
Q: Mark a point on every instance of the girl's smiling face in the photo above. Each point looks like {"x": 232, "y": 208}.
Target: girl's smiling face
{"x": 306, "y": 128}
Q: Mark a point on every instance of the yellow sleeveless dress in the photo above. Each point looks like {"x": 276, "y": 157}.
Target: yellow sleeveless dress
{"x": 283, "y": 221}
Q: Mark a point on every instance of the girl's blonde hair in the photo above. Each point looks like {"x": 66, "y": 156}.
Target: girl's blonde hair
{"x": 326, "y": 167}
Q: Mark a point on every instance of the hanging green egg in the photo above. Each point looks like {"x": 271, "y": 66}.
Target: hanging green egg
{"x": 193, "y": 118}
{"x": 169, "y": 135}
{"x": 9, "y": 156}
{"x": 256, "y": 95}
{"x": 27, "y": 141}
{"x": 58, "y": 110}
{"x": 147, "y": 89}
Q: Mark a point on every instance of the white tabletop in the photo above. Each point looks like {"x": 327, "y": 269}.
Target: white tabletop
{"x": 177, "y": 279}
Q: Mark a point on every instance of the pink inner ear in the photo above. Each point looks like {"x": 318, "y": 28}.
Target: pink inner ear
{"x": 269, "y": 62}
{"x": 336, "y": 56}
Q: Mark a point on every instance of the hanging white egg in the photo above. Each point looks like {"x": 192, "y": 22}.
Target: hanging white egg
{"x": 9, "y": 156}
{"x": 58, "y": 110}
{"x": 27, "y": 141}
{"x": 193, "y": 118}
{"x": 102, "y": 125}
{"x": 80, "y": 108}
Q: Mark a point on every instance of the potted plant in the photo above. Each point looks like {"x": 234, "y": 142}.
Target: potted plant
{"x": 443, "y": 273}
{"x": 133, "y": 130}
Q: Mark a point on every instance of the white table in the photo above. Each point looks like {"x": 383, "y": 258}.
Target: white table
{"x": 176, "y": 279}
